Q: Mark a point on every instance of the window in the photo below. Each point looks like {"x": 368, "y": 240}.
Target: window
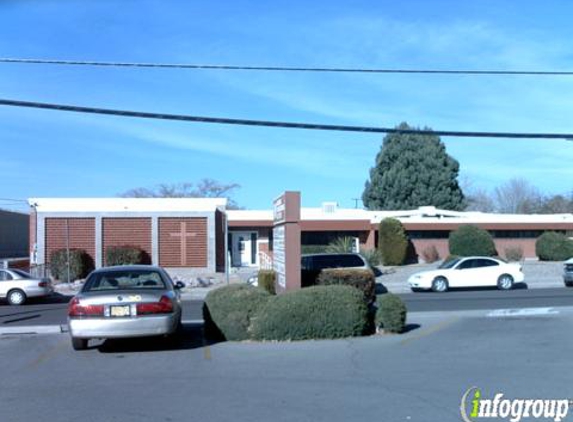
{"x": 5, "y": 276}
{"x": 467, "y": 264}
{"x": 124, "y": 280}
{"x": 481, "y": 263}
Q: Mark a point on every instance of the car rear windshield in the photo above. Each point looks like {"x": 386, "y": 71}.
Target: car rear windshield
{"x": 124, "y": 280}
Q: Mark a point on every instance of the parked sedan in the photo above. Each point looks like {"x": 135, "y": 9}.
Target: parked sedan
{"x": 124, "y": 301}
{"x": 475, "y": 271}
{"x": 17, "y": 286}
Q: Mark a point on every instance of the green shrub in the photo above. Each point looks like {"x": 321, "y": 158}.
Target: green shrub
{"x": 228, "y": 310}
{"x": 80, "y": 264}
{"x": 430, "y": 254}
{"x": 318, "y": 312}
{"x": 363, "y": 280}
{"x": 372, "y": 256}
{"x": 123, "y": 255}
{"x": 391, "y": 314}
{"x": 392, "y": 242}
{"x": 266, "y": 281}
{"x": 341, "y": 245}
{"x": 552, "y": 246}
{"x": 514, "y": 253}
{"x": 471, "y": 240}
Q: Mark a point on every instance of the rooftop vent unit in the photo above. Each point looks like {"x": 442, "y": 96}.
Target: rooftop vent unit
{"x": 329, "y": 207}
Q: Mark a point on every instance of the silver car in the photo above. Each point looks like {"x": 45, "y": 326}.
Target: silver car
{"x": 124, "y": 301}
{"x": 17, "y": 286}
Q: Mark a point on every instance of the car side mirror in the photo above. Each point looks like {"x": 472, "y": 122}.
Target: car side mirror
{"x": 179, "y": 285}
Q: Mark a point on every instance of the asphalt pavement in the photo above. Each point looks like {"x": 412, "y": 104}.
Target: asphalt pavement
{"x": 50, "y": 315}
{"x": 421, "y": 375}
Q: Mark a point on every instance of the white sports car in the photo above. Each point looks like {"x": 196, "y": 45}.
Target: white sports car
{"x": 472, "y": 271}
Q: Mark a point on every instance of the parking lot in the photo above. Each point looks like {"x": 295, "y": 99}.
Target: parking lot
{"x": 420, "y": 375}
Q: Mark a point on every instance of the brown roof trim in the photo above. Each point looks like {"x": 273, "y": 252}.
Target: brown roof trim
{"x": 335, "y": 225}
{"x": 251, "y": 223}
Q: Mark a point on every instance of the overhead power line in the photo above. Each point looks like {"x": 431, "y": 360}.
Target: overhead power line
{"x": 490, "y": 72}
{"x": 279, "y": 124}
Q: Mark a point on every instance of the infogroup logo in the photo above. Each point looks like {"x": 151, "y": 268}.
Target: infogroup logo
{"x": 474, "y": 407}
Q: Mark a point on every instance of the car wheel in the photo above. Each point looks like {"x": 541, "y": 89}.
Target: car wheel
{"x": 440, "y": 284}
{"x": 16, "y": 297}
{"x": 505, "y": 282}
{"x": 79, "y": 343}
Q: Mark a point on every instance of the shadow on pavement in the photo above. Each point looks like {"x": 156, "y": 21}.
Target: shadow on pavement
{"x": 411, "y": 327}
{"x": 380, "y": 289}
{"x": 517, "y": 286}
{"x": 54, "y": 298}
{"x": 190, "y": 337}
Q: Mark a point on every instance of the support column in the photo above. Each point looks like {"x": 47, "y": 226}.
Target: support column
{"x": 98, "y": 242}
{"x": 155, "y": 240}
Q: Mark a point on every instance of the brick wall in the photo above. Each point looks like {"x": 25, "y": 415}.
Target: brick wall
{"x": 127, "y": 232}
{"x": 81, "y": 235}
{"x": 183, "y": 242}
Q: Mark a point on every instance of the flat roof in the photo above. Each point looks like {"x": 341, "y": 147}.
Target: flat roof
{"x": 422, "y": 215}
{"x": 126, "y": 204}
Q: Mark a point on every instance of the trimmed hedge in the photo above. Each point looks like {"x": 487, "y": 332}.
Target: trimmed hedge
{"x": 553, "y": 246}
{"x": 363, "y": 280}
{"x": 124, "y": 255}
{"x": 80, "y": 264}
{"x": 391, "y": 314}
{"x": 471, "y": 240}
{"x": 392, "y": 242}
{"x": 318, "y": 312}
{"x": 266, "y": 281}
{"x": 228, "y": 311}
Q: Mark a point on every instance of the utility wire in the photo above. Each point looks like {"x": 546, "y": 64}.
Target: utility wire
{"x": 279, "y": 124}
{"x": 289, "y": 69}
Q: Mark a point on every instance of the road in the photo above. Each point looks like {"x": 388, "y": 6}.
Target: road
{"x": 419, "y": 376}
{"x": 53, "y": 312}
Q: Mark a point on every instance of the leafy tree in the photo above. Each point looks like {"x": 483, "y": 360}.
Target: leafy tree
{"x": 413, "y": 170}
{"x": 392, "y": 242}
{"x": 206, "y": 188}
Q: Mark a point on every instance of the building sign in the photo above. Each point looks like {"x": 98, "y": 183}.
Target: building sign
{"x": 286, "y": 241}
{"x": 279, "y": 255}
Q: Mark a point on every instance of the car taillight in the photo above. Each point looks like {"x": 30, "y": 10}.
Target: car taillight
{"x": 164, "y": 306}
{"x": 43, "y": 284}
{"x": 77, "y": 310}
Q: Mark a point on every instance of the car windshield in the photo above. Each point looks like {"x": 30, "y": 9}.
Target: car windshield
{"x": 22, "y": 274}
{"x": 449, "y": 264}
{"x": 124, "y": 280}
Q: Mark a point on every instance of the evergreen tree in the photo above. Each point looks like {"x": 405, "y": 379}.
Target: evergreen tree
{"x": 413, "y": 170}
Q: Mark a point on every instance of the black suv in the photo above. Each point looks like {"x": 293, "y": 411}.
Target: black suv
{"x": 312, "y": 265}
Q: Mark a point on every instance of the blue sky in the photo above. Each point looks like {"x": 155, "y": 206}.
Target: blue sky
{"x": 57, "y": 154}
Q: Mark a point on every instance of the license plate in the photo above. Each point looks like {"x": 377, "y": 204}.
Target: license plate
{"x": 119, "y": 311}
